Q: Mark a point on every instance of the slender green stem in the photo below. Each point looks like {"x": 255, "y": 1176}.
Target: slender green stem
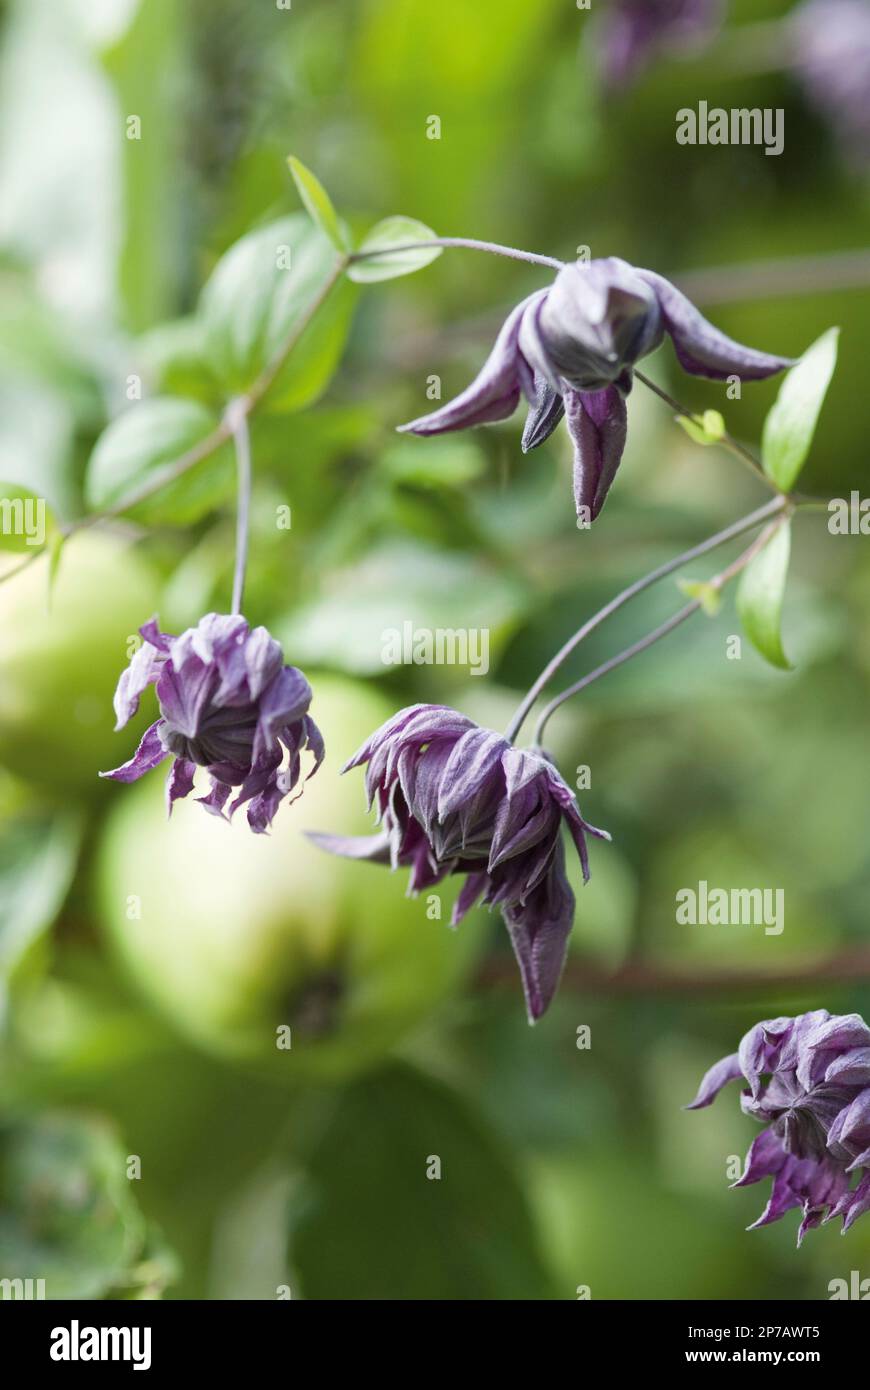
{"x": 469, "y": 243}
{"x": 718, "y": 582}
{"x": 238, "y": 420}
{"x": 746, "y": 523}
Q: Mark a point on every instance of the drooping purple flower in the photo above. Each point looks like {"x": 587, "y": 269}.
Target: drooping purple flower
{"x": 809, "y": 1084}
{"x": 831, "y": 47}
{"x": 570, "y": 350}
{"x": 632, "y": 33}
{"x": 454, "y": 798}
{"x": 227, "y": 704}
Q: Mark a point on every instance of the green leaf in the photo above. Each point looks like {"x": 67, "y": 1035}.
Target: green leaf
{"x": 258, "y": 294}
{"x": 175, "y": 360}
{"x": 372, "y": 1225}
{"x": 760, "y": 596}
{"x": 67, "y": 1210}
{"x": 791, "y": 423}
{"x": 142, "y": 441}
{"x": 709, "y": 597}
{"x": 26, "y": 523}
{"x": 38, "y": 856}
{"x": 394, "y": 231}
{"x": 708, "y": 428}
{"x": 318, "y": 203}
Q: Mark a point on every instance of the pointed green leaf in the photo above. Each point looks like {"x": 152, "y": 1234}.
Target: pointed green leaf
{"x": 257, "y": 297}
{"x": 394, "y": 231}
{"x": 708, "y": 428}
{"x": 791, "y": 423}
{"x": 318, "y": 203}
{"x": 144, "y": 440}
{"x": 760, "y": 596}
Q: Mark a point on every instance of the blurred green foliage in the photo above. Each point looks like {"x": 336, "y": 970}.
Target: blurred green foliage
{"x": 128, "y": 260}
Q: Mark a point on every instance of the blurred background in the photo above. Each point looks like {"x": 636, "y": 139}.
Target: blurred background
{"x": 154, "y": 1139}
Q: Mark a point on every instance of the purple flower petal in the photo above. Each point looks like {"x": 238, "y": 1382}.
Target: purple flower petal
{"x": 854, "y": 1204}
{"x": 145, "y": 666}
{"x": 471, "y": 762}
{"x": 284, "y": 701}
{"x": 597, "y": 422}
{"x": 468, "y": 896}
{"x": 766, "y": 1155}
{"x": 539, "y": 931}
{"x": 544, "y": 415}
{"x": 844, "y": 1030}
{"x": 179, "y": 782}
{"x": 850, "y": 1068}
{"x": 728, "y": 1069}
{"x": 702, "y": 349}
{"x": 247, "y": 663}
{"x": 759, "y": 1049}
{"x": 495, "y": 392}
{"x": 215, "y": 801}
{"x": 148, "y": 755}
{"x": 375, "y": 848}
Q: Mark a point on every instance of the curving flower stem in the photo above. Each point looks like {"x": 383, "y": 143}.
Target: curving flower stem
{"x": 469, "y": 244}
{"x": 747, "y": 523}
{"x": 237, "y": 420}
{"x": 717, "y": 583}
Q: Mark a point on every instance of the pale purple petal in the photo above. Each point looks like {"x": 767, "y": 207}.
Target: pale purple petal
{"x": 283, "y": 702}
{"x": 766, "y": 1155}
{"x": 495, "y": 392}
{"x": 844, "y": 1030}
{"x": 702, "y": 349}
{"x": 375, "y": 848}
{"x": 216, "y": 799}
{"x": 850, "y": 1068}
{"x": 179, "y": 782}
{"x": 728, "y": 1069}
{"x": 145, "y": 666}
{"x": 148, "y": 755}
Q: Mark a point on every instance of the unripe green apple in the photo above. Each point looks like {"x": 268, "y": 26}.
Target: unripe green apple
{"x": 253, "y": 942}
{"x": 61, "y": 653}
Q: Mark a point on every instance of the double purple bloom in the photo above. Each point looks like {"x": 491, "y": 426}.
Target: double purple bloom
{"x": 815, "y": 1104}
{"x": 454, "y": 798}
{"x": 571, "y": 350}
{"x": 227, "y": 704}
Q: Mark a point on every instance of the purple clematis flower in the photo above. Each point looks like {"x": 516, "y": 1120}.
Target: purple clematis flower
{"x": 454, "y": 798}
{"x": 570, "y": 350}
{"x": 634, "y": 32}
{"x": 809, "y": 1084}
{"x": 228, "y": 704}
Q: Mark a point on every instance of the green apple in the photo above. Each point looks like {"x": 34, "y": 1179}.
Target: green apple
{"x": 61, "y": 652}
{"x": 249, "y": 943}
